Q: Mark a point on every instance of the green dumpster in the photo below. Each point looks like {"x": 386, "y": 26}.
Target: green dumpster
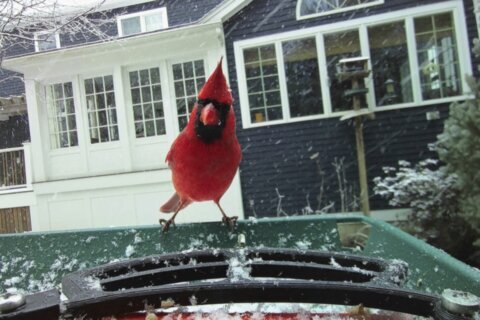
{"x": 33, "y": 262}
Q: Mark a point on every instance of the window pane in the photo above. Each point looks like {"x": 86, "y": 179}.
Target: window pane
{"x": 153, "y": 22}
{"x": 137, "y": 113}
{"x": 437, "y": 56}
{"x": 68, "y": 90}
{"x": 157, "y": 93}
{"x": 158, "y": 107}
{"x": 390, "y": 64}
{"x": 199, "y": 69}
{"x": 146, "y": 95}
{"x": 131, "y": 26}
{"x": 338, "y": 46}
{"x": 155, "y": 75}
{"x": 190, "y": 77}
{"x": 147, "y": 91}
{"x": 101, "y": 108}
{"x": 303, "y": 79}
{"x": 61, "y": 115}
{"x": 139, "y": 130}
{"x": 134, "y": 78}
{"x": 262, "y": 83}
{"x": 144, "y": 77}
{"x": 46, "y": 41}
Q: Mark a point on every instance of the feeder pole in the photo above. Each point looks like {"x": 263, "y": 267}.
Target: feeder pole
{"x": 356, "y": 70}
{"x": 362, "y": 168}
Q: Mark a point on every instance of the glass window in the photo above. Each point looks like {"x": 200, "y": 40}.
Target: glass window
{"x": 437, "y": 56}
{"x": 189, "y": 78}
{"x": 61, "y": 114}
{"x": 143, "y": 22}
{"x": 390, "y": 63}
{"x": 338, "y": 46}
{"x": 46, "y": 41}
{"x": 147, "y": 102}
{"x": 318, "y": 7}
{"x": 302, "y": 76}
{"x": 131, "y": 26}
{"x": 101, "y": 109}
{"x": 263, "y": 84}
{"x": 153, "y": 22}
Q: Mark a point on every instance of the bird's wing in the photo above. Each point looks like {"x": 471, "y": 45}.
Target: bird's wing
{"x": 170, "y": 158}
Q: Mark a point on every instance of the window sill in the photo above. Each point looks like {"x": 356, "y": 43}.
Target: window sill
{"x": 64, "y": 151}
{"x": 374, "y": 109}
{"x": 151, "y": 140}
{"x": 105, "y": 145}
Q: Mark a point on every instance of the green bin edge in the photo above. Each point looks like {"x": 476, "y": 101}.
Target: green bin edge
{"x": 37, "y": 261}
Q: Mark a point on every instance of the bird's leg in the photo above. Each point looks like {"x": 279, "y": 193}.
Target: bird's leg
{"x": 166, "y": 223}
{"x": 229, "y": 221}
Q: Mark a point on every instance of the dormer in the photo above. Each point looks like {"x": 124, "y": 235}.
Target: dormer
{"x": 46, "y": 40}
{"x": 140, "y": 22}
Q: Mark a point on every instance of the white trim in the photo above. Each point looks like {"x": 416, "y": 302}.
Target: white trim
{"x": 36, "y": 41}
{"x": 350, "y": 24}
{"x": 141, "y": 15}
{"x": 361, "y": 24}
{"x": 171, "y": 83}
{"x": 334, "y": 11}
{"x": 281, "y": 84}
{"x": 225, "y": 10}
{"x": 323, "y": 70}
{"x": 128, "y": 104}
{"x": 412, "y": 60}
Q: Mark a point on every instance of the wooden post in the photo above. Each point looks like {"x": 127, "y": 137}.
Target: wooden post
{"x": 362, "y": 168}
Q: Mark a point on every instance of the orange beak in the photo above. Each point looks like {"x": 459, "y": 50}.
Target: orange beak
{"x": 209, "y": 115}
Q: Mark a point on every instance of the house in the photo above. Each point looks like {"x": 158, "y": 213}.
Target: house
{"x": 102, "y": 115}
{"x": 299, "y": 156}
{"x": 99, "y": 161}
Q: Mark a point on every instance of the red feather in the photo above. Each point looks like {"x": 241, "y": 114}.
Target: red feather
{"x": 203, "y": 171}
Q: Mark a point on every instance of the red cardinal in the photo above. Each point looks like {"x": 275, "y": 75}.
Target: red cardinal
{"x": 205, "y": 156}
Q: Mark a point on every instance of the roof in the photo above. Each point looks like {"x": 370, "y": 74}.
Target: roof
{"x": 214, "y": 16}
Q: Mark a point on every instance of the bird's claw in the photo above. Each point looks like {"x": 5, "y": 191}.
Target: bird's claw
{"x": 231, "y": 222}
{"x": 166, "y": 224}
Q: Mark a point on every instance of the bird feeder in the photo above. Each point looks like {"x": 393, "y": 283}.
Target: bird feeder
{"x": 356, "y": 70}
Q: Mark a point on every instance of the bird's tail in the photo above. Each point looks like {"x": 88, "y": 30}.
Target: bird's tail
{"x": 173, "y": 204}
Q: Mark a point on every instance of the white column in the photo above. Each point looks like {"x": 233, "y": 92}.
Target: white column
{"x": 35, "y": 124}
{"x": 123, "y": 124}
{"x": 28, "y": 163}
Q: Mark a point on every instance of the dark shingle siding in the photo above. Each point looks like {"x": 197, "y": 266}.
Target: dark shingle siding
{"x": 14, "y": 132}
{"x": 179, "y": 12}
{"x": 11, "y": 83}
{"x": 279, "y": 156}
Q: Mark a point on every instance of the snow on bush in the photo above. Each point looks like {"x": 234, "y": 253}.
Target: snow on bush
{"x": 429, "y": 191}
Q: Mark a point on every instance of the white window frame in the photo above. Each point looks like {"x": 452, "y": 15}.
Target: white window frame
{"x": 334, "y": 11}
{"x": 361, "y": 24}
{"x": 53, "y": 118}
{"x": 141, "y": 15}
{"x": 129, "y": 103}
{"x": 171, "y": 84}
{"x": 85, "y": 112}
{"x": 36, "y": 36}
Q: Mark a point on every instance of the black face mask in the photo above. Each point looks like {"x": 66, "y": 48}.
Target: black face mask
{"x": 210, "y": 133}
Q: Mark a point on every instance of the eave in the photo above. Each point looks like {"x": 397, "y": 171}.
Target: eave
{"x": 24, "y": 64}
{"x": 225, "y": 10}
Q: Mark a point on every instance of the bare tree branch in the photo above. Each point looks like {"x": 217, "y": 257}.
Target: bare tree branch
{"x": 22, "y": 22}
